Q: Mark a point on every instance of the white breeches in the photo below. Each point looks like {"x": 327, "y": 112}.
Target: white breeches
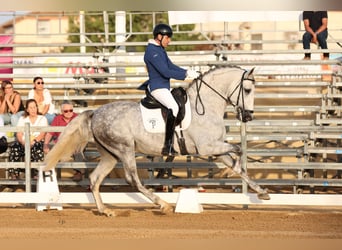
{"x": 165, "y": 97}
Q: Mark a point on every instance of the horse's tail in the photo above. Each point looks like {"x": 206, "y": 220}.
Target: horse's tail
{"x": 74, "y": 138}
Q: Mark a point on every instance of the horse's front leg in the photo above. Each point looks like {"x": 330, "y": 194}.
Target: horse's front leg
{"x": 205, "y": 146}
{"x": 236, "y": 168}
{"x": 223, "y": 150}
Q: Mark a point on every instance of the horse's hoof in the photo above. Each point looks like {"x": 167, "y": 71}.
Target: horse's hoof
{"x": 166, "y": 209}
{"x": 264, "y": 196}
{"x": 109, "y": 212}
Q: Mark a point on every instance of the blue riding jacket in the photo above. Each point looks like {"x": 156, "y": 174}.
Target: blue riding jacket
{"x": 160, "y": 68}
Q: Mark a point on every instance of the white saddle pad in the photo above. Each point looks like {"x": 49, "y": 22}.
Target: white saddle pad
{"x": 154, "y": 122}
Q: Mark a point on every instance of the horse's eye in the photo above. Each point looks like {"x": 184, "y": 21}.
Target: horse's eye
{"x": 248, "y": 91}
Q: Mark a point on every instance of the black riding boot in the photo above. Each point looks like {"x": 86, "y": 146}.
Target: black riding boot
{"x": 169, "y": 133}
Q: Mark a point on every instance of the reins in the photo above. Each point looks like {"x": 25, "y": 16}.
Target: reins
{"x": 239, "y": 86}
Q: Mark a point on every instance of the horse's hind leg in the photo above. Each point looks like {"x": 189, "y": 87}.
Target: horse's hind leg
{"x": 236, "y": 167}
{"x": 104, "y": 167}
{"x": 130, "y": 168}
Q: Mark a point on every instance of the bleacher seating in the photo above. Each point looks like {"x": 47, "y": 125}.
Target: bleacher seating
{"x": 297, "y": 126}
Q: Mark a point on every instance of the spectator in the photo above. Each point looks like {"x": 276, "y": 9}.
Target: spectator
{"x": 316, "y": 31}
{"x": 3, "y": 138}
{"x": 63, "y": 119}
{"x": 17, "y": 149}
{"x": 11, "y": 106}
{"x": 43, "y": 99}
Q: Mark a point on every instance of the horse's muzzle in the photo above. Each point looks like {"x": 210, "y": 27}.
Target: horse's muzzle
{"x": 244, "y": 115}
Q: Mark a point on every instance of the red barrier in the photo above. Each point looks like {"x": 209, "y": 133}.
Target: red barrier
{"x": 6, "y": 59}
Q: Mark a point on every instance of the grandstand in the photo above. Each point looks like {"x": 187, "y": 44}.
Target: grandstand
{"x": 292, "y": 146}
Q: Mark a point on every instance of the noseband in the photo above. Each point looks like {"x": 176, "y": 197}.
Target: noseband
{"x": 238, "y": 87}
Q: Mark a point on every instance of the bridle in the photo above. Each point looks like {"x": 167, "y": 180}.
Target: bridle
{"x": 239, "y": 87}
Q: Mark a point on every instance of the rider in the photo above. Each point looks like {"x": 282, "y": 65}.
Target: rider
{"x": 160, "y": 71}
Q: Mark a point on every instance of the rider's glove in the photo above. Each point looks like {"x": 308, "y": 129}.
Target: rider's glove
{"x": 192, "y": 74}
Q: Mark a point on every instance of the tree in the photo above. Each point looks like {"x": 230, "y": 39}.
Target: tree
{"x": 139, "y": 29}
{"x": 94, "y": 31}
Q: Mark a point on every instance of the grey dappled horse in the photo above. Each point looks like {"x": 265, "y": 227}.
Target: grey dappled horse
{"x": 118, "y": 131}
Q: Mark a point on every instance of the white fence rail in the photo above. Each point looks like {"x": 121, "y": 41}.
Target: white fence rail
{"x": 326, "y": 200}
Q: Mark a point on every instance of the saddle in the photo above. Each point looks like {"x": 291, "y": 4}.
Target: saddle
{"x": 179, "y": 94}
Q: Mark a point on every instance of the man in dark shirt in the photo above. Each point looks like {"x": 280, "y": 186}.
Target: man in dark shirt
{"x": 316, "y": 31}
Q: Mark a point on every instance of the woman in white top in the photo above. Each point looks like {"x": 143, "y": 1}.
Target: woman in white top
{"x": 43, "y": 99}
{"x": 17, "y": 151}
{"x": 33, "y": 117}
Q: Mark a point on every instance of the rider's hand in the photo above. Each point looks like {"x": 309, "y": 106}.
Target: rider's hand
{"x": 192, "y": 74}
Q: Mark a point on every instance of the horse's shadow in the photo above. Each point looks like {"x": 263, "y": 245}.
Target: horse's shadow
{"x": 126, "y": 211}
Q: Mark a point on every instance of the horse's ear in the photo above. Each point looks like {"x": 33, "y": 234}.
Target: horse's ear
{"x": 249, "y": 72}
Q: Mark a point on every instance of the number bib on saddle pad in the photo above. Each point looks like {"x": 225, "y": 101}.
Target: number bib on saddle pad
{"x": 154, "y": 123}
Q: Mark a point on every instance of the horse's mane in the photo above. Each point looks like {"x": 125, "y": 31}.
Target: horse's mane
{"x": 214, "y": 67}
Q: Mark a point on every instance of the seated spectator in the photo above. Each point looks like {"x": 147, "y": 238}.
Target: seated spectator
{"x": 63, "y": 119}
{"x": 43, "y": 99}
{"x": 11, "y": 106}
{"x": 17, "y": 149}
{"x": 316, "y": 31}
{"x": 3, "y": 138}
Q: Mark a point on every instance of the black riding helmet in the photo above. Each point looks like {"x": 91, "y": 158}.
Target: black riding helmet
{"x": 162, "y": 29}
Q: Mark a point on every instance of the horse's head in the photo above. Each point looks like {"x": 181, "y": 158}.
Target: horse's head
{"x": 230, "y": 83}
{"x": 242, "y": 97}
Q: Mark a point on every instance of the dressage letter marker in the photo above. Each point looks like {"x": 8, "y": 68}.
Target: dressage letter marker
{"x": 187, "y": 202}
{"x": 47, "y": 183}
